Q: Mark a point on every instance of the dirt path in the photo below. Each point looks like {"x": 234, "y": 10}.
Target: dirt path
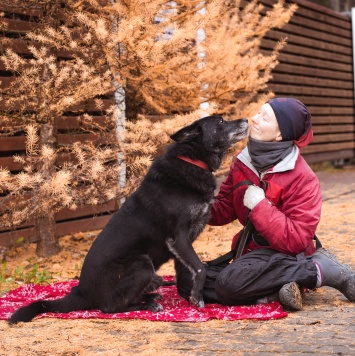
{"x": 325, "y": 326}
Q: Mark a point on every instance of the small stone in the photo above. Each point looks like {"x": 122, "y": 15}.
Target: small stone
{"x": 56, "y": 267}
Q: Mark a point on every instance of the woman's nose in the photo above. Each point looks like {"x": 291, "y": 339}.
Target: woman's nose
{"x": 255, "y": 118}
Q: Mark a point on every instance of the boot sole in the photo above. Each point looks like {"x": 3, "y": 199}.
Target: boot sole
{"x": 290, "y": 296}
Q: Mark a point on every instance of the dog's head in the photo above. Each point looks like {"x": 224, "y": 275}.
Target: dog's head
{"x": 213, "y": 133}
{"x": 210, "y": 137}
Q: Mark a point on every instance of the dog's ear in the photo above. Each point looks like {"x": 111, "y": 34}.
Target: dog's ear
{"x": 187, "y": 133}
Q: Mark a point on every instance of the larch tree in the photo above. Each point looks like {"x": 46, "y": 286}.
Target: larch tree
{"x": 148, "y": 54}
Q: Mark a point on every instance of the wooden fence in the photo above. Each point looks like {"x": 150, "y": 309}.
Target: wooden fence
{"x": 316, "y": 66}
{"x": 70, "y": 130}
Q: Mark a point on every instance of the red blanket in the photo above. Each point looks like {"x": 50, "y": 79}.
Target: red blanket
{"x": 175, "y": 308}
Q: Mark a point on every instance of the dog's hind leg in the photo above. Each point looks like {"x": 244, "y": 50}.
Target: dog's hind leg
{"x": 131, "y": 289}
{"x": 155, "y": 283}
{"x": 152, "y": 297}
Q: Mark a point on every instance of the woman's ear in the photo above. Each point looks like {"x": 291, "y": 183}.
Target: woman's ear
{"x": 279, "y": 137}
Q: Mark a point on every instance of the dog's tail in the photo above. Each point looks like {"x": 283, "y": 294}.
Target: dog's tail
{"x": 70, "y": 302}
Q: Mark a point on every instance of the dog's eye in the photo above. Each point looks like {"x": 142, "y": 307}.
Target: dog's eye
{"x": 221, "y": 121}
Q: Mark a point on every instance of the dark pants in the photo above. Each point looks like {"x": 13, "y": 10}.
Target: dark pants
{"x": 255, "y": 275}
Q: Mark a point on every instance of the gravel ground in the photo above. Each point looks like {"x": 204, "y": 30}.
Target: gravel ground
{"x": 324, "y": 327}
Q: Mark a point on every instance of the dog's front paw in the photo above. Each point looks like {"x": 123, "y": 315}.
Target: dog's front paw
{"x": 197, "y": 301}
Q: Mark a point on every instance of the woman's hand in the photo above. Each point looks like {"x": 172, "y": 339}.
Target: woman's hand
{"x": 253, "y": 195}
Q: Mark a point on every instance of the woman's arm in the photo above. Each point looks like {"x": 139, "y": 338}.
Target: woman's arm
{"x": 290, "y": 228}
{"x": 222, "y": 209}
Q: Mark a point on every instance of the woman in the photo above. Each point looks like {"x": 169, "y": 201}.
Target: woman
{"x": 284, "y": 205}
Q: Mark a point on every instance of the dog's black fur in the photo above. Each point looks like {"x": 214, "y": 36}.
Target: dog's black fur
{"x": 157, "y": 222}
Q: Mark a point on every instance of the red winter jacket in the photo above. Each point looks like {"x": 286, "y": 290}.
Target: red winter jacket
{"x": 288, "y": 216}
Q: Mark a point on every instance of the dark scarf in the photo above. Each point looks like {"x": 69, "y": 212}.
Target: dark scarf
{"x": 265, "y": 155}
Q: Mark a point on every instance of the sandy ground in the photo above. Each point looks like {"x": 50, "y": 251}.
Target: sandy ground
{"x": 325, "y": 326}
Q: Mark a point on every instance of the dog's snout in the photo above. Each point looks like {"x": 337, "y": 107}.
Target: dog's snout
{"x": 244, "y": 122}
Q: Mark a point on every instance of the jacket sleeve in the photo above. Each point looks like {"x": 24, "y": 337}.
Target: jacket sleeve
{"x": 294, "y": 223}
{"x": 222, "y": 211}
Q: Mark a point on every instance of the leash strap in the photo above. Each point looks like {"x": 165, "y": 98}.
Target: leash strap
{"x": 243, "y": 182}
{"x": 318, "y": 243}
{"x": 244, "y": 237}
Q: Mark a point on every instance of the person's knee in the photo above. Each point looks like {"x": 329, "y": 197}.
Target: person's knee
{"x": 223, "y": 294}
{"x": 226, "y": 288}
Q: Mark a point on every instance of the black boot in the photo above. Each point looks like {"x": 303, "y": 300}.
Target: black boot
{"x": 334, "y": 274}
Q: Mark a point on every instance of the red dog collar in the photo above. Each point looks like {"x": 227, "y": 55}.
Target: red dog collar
{"x": 196, "y": 162}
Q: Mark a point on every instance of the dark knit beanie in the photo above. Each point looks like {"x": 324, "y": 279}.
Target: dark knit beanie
{"x": 293, "y": 118}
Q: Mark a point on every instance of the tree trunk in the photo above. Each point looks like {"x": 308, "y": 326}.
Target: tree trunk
{"x": 335, "y": 4}
{"x": 134, "y": 102}
{"x": 48, "y": 243}
{"x": 45, "y": 223}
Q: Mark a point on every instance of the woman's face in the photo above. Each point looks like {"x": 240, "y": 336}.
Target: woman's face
{"x": 265, "y": 126}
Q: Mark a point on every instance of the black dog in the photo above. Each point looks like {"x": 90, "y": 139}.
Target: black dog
{"x": 157, "y": 222}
